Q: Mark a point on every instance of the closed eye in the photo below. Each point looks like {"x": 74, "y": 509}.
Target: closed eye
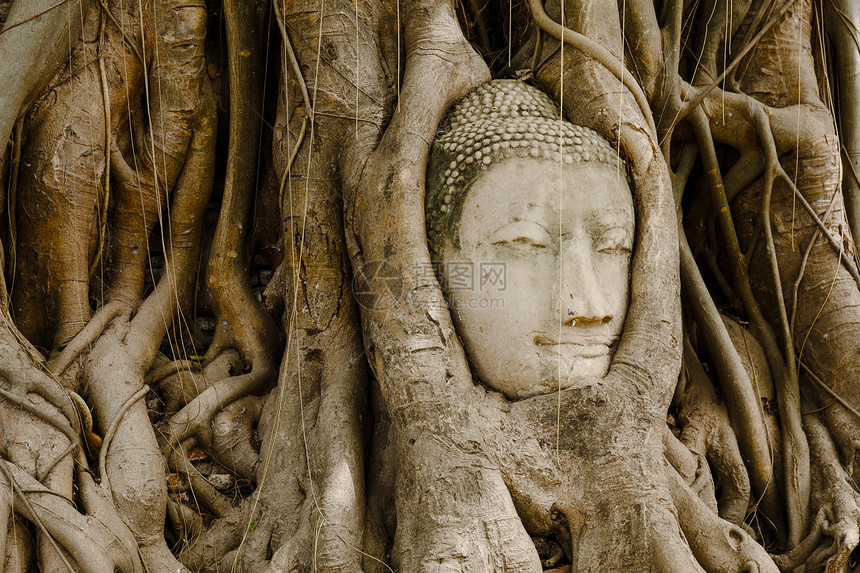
{"x": 522, "y": 234}
{"x": 615, "y": 240}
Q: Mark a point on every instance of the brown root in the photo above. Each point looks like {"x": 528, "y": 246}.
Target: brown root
{"x": 232, "y": 435}
{"x": 179, "y": 389}
{"x": 706, "y": 431}
{"x": 717, "y": 544}
{"x": 835, "y": 495}
{"x": 203, "y": 493}
{"x": 95, "y": 548}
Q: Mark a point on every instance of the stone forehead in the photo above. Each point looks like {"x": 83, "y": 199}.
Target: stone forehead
{"x": 501, "y": 119}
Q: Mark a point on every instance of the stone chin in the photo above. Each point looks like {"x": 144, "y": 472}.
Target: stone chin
{"x": 561, "y": 371}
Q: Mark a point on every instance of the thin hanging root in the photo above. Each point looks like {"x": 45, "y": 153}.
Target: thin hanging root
{"x": 128, "y": 42}
{"x": 829, "y": 390}
{"x": 85, "y": 337}
{"x": 805, "y": 259}
{"x": 766, "y": 138}
{"x": 796, "y": 455}
{"x": 836, "y": 244}
{"x": 700, "y": 96}
{"x": 11, "y": 206}
{"x": 600, "y": 54}
{"x": 103, "y": 212}
{"x": 309, "y": 111}
{"x": 111, "y": 431}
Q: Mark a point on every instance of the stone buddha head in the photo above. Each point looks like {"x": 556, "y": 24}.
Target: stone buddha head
{"x": 530, "y": 224}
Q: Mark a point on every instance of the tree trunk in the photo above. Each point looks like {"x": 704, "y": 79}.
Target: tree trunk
{"x": 224, "y": 345}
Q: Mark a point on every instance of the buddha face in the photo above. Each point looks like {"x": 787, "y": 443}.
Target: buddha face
{"x": 563, "y": 235}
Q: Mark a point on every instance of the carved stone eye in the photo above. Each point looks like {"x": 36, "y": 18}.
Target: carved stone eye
{"x": 614, "y": 240}
{"x": 523, "y": 233}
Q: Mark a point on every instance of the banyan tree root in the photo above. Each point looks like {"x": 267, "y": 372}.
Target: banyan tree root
{"x": 706, "y": 431}
{"x": 94, "y": 546}
{"x": 67, "y": 152}
{"x": 242, "y": 322}
{"x": 717, "y": 544}
{"x": 835, "y": 496}
{"x": 485, "y": 532}
{"x": 42, "y": 434}
{"x": 233, "y": 433}
{"x": 172, "y": 158}
{"x": 179, "y": 388}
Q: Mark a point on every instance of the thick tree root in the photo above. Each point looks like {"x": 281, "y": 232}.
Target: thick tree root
{"x": 232, "y": 433}
{"x": 719, "y": 546}
{"x": 835, "y": 495}
{"x": 135, "y": 467}
{"x": 706, "y": 431}
{"x": 204, "y": 493}
{"x": 181, "y": 388}
{"x": 95, "y": 547}
{"x": 196, "y": 417}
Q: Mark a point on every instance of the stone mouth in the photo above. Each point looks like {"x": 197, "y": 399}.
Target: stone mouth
{"x": 585, "y": 347}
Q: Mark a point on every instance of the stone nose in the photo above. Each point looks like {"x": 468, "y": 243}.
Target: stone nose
{"x": 582, "y": 299}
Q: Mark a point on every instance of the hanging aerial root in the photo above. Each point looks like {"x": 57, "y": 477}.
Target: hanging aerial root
{"x": 796, "y": 449}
